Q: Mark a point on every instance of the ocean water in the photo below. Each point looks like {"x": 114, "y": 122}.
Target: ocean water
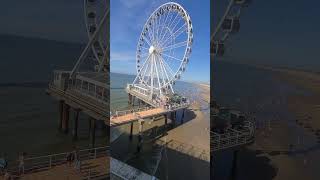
{"x": 28, "y": 116}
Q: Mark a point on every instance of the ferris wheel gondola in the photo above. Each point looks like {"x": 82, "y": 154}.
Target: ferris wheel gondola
{"x": 94, "y": 11}
{"x": 229, "y": 24}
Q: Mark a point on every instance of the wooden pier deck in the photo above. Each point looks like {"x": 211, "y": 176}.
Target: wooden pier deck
{"x": 129, "y": 117}
{"x": 135, "y": 116}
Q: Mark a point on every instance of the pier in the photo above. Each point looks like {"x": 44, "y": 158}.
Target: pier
{"x": 85, "y": 87}
{"x": 86, "y": 93}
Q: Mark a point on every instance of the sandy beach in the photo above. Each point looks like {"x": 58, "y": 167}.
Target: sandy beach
{"x": 288, "y": 150}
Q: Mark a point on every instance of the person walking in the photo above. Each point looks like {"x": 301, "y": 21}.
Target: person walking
{"x": 69, "y": 158}
{"x": 21, "y": 162}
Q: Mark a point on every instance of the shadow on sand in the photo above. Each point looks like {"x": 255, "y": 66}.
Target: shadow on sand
{"x": 251, "y": 165}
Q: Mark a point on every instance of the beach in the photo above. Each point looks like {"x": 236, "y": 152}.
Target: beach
{"x": 288, "y": 149}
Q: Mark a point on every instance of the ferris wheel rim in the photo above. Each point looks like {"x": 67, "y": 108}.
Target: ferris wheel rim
{"x": 187, "y": 51}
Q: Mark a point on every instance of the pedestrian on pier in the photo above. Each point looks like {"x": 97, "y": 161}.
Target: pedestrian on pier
{"x": 69, "y": 158}
{"x": 21, "y": 162}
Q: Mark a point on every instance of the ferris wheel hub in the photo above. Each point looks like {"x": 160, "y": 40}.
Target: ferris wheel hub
{"x": 152, "y": 49}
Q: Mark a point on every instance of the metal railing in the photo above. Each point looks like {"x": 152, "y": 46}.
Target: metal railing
{"x": 46, "y": 162}
{"x": 91, "y": 90}
{"x": 187, "y": 149}
{"x": 138, "y": 89}
{"x": 129, "y": 111}
{"x": 233, "y": 137}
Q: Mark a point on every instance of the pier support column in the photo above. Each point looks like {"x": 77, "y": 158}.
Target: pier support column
{"x": 75, "y": 126}
{"x": 133, "y": 99}
{"x": 129, "y": 99}
{"x": 92, "y": 132}
{"x": 165, "y": 120}
{"x": 65, "y": 121}
{"x": 60, "y": 120}
{"x": 140, "y": 137}
{"x": 234, "y": 165}
{"x": 173, "y": 119}
{"x": 182, "y": 116}
{"x": 131, "y": 131}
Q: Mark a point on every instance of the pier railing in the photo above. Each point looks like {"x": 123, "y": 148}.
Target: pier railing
{"x": 233, "y": 137}
{"x": 41, "y": 163}
{"x": 81, "y": 84}
{"x": 129, "y": 111}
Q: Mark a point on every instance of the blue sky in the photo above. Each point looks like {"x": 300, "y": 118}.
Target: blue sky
{"x": 127, "y": 20}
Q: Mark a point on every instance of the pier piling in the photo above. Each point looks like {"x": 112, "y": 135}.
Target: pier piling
{"x": 140, "y": 138}
{"x": 65, "y": 120}
{"x": 165, "y": 119}
{"x": 75, "y": 127}
{"x": 61, "y": 103}
{"x": 182, "y": 116}
{"x": 93, "y": 132}
{"x": 131, "y": 129}
{"x": 129, "y": 99}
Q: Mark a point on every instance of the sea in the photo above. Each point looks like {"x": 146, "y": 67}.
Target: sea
{"x": 28, "y": 116}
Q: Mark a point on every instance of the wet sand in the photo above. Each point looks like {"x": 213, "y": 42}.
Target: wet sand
{"x": 290, "y": 150}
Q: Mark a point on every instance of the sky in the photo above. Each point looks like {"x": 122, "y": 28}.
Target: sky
{"x": 276, "y": 33}
{"x": 127, "y": 20}
{"x": 61, "y": 20}
{"x": 273, "y": 32}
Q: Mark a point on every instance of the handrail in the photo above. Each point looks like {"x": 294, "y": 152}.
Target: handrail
{"x": 48, "y": 161}
{"x": 232, "y": 137}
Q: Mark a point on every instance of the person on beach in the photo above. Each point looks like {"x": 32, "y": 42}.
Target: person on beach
{"x": 21, "y": 162}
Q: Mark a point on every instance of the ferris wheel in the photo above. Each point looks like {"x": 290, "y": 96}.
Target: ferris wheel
{"x": 96, "y": 12}
{"x": 228, "y": 25}
{"x": 164, "y": 48}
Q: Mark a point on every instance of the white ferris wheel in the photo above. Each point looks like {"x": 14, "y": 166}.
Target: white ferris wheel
{"x": 164, "y": 48}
